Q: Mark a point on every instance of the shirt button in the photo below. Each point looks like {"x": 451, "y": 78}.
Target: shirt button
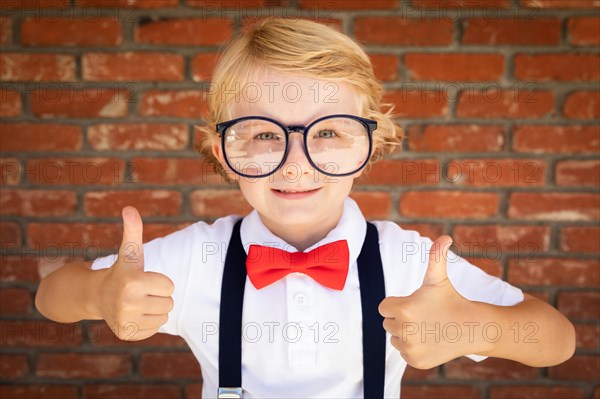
{"x": 300, "y": 299}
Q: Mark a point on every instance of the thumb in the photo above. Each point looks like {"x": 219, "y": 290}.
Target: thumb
{"x": 131, "y": 251}
{"x": 437, "y": 271}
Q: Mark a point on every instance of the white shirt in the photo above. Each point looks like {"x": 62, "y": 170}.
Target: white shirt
{"x": 299, "y": 339}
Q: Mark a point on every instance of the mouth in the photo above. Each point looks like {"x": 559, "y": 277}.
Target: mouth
{"x": 294, "y": 193}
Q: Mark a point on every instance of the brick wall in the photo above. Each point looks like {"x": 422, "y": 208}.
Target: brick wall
{"x": 500, "y": 100}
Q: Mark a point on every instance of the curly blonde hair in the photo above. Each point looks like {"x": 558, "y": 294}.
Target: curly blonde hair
{"x": 302, "y": 48}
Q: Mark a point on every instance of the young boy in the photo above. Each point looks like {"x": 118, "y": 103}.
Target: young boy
{"x": 302, "y": 297}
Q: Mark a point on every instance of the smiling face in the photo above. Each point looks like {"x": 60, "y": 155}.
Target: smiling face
{"x": 296, "y": 198}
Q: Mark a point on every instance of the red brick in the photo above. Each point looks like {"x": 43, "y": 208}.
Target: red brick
{"x": 193, "y": 391}
{"x": 10, "y": 168}
{"x": 461, "y": 67}
{"x": 491, "y": 369}
{"x": 99, "y": 334}
{"x": 155, "y": 230}
{"x": 217, "y": 203}
{"x": 90, "y": 237}
{"x": 25, "y": 137}
{"x": 580, "y": 239}
{"x": 19, "y": 67}
{"x": 333, "y": 23}
{"x": 440, "y": 392}
{"x": 554, "y": 206}
{"x": 495, "y": 239}
{"x": 579, "y": 305}
{"x": 39, "y": 391}
{"x": 494, "y": 102}
{"x": 83, "y": 365}
{"x": 587, "y": 335}
{"x": 10, "y": 235}
{"x": 136, "y": 4}
{"x": 202, "y": 66}
{"x": 130, "y": 391}
{"x": 180, "y": 104}
{"x": 335, "y": 5}
{"x": 556, "y": 139}
{"x": 584, "y": 31}
{"x": 535, "y": 392}
{"x": 15, "y": 301}
{"x": 184, "y": 31}
{"x": 13, "y": 366}
{"x": 456, "y": 138}
{"x": 557, "y": 67}
{"x": 413, "y": 374}
{"x": 165, "y": 171}
{"x": 132, "y": 66}
{"x": 224, "y": 4}
{"x": 5, "y": 31}
{"x": 169, "y": 365}
{"x": 496, "y": 172}
{"x": 37, "y": 203}
{"x": 10, "y": 103}
{"x": 554, "y": 271}
{"x": 578, "y": 173}
{"x": 37, "y": 4}
{"x": 526, "y": 31}
{"x": 138, "y": 136}
{"x": 90, "y": 102}
{"x": 78, "y": 32}
{"x": 582, "y": 105}
{"x": 560, "y": 3}
{"x": 490, "y": 265}
{"x": 452, "y": 4}
{"x": 373, "y": 204}
{"x": 577, "y": 368}
{"x": 418, "y": 103}
{"x": 448, "y": 204}
{"x": 19, "y": 268}
{"x": 76, "y": 171}
{"x": 428, "y": 230}
{"x": 147, "y": 202}
{"x": 39, "y": 333}
{"x": 385, "y": 66}
{"x": 402, "y": 172}
{"x": 402, "y": 31}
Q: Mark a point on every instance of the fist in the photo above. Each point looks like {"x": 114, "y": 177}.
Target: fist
{"x": 423, "y": 324}
{"x": 133, "y": 302}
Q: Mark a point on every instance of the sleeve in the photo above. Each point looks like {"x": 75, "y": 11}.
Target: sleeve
{"x": 171, "y": 256}
{"x": 476, "y": 285}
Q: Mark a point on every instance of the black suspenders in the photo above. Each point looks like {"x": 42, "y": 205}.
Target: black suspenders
{"x": 372, "y": 292}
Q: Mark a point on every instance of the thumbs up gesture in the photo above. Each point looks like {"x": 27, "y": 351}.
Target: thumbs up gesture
{"x": 426, "y": 326}
{"x": 133, "y": 302}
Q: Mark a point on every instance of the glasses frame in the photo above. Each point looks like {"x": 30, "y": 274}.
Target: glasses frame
{"x": 369, "y": 124}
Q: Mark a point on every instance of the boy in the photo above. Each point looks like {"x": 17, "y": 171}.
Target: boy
{"x": 321, "y": 281}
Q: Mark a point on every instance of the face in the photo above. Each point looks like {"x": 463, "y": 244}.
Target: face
{"x": 316, "y": 198}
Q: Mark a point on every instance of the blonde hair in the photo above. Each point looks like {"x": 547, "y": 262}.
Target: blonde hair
{"x": 302, "y": 48}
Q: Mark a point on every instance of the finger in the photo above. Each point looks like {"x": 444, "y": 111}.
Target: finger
{"x": 387, "y": 307}
{"x": 438, "y": 261}
{"x": 161, "y": 284}
{"x": 157, "y": 305}
{"x": 131, "y": 251}
{"x": 154, "y": 320}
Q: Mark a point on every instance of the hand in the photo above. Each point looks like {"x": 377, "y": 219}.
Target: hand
{"x": 428, "y": 326}
{"x": 134, "y": 303}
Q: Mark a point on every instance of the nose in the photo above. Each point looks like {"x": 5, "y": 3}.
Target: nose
{"x": 296, "y": 163}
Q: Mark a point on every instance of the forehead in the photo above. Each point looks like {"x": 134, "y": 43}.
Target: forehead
{"x": 293, "y": 100}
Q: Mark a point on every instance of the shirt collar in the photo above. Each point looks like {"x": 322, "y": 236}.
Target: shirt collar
{"x": 351, "y": 227}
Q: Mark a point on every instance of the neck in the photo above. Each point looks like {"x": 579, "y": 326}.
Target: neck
{"x": 303, "y": 236}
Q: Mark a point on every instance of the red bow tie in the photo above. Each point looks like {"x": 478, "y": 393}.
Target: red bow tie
{"x": 327, "y": 264}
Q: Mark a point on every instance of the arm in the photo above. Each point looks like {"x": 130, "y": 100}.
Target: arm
{"x": 70, "y": 294}
{"x": 533, "y": 333}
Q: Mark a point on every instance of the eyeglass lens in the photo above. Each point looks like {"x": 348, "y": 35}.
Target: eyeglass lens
{"x": 335, "y": 146}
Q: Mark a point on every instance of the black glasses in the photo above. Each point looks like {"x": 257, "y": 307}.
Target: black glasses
{"x": 335, "y": 145}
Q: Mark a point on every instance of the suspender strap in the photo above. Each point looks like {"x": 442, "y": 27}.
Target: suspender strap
{"x": 372, "y": 292}
{"x": 230, "y": 318}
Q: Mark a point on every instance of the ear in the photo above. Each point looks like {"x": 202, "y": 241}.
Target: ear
{"x": 216, "y": 150}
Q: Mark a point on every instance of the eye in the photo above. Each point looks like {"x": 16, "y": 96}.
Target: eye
{"x": 266, "y": 136}
{"x": 326, "y": 134}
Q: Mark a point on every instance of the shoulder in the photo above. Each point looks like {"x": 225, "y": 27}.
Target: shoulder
{"x": 391, "y": 233}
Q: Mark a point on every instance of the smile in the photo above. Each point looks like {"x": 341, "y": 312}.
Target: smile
{"x": 294, "y": 193}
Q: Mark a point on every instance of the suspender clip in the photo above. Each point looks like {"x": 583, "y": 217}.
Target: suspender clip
{"x": 230, "y": 393}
